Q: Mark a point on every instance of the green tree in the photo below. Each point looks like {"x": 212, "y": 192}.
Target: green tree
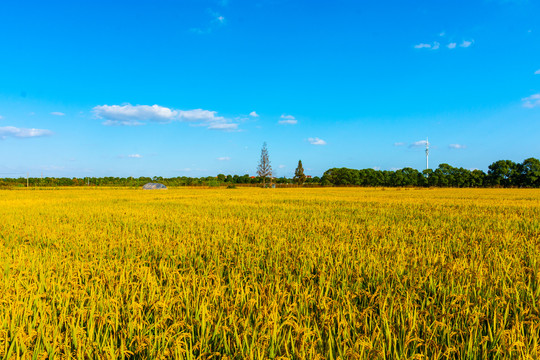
{"x": 503, "y": 172}
{"x": 299, "y": 176}
{"x": 530, "y": 172}
{"x": 477, "y": 178}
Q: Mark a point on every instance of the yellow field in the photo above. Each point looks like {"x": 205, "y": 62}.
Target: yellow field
{"x": 258, "y": 273}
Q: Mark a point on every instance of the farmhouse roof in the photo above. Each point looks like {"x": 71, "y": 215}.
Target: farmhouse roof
{"x": 154, "y": 186}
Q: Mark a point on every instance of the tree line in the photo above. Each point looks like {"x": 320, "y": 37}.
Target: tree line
{"x": 502, "y": 173}
{"x": 220, "y": 180}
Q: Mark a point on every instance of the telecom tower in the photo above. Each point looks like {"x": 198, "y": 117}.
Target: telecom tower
{"x": 427, "y": 153}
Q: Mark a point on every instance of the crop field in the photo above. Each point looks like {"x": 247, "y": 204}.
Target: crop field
{"x": 322, "y": 273}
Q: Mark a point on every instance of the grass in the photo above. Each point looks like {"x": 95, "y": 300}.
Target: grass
{"x": 333, "y": 273}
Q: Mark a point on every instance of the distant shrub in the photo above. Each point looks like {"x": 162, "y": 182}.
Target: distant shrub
{"x": 213, "y": 183}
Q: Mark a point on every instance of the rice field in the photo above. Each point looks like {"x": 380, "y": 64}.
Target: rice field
{"x": 326, "y": 273}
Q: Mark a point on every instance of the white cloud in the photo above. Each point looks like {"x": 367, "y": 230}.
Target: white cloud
{"x": 58, "y": 113}
{"x": 22, "y": 132}
{"x": 253, "y": 114}
{"x": 287, "y": 120}
{"x": 436, "y": 45}
{"x": 221, "y": 126}
{"x": 221, "y": 19}
{"x": 282, "y": 166}
{"x": 417, "y": 144}
{"x": 457, "y": 146}
{"x": 135, "y": 156}
{"x": 196, "y": 115}
{"x": 400, "y": 144}
{"x": 531, "y": 101}
{"x": 316, "y": 141}
{"x": 1, "y": 117}
{"x": 122, "y": 123}
{"x": 442, "y": 33}
{"x": 433, "y": 46}
{"x": 224, "y": 158}
{"x": 537, "y": 72}
{"x": 133, "y": 115}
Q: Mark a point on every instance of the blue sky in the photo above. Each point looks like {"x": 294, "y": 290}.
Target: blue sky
{"x": 174, "y": 88}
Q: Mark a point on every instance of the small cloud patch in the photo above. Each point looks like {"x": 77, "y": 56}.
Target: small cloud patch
{"x": 433, "y": 46}
{"x": 12, "y": 131}
{"x": 287, "y": 120}
{"x": 417, "y": 144}
{"x": 531, "y": 101}
{"x": 457, "y": 146}
{"x": 436, "y": 45}
{"x": 422, "y": 46}
{"x": 316, "y": 141}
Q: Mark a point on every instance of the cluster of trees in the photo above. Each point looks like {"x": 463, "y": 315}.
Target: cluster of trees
{"x": 264, "y": 171}
{"x": 220, "y": 180}
{"x": 505, "y": 173}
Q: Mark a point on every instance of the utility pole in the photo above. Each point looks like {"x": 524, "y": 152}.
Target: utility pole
{"x": 427, "y": 153}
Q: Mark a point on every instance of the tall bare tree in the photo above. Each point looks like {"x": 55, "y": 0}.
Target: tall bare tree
{"x": 264, "y": 169}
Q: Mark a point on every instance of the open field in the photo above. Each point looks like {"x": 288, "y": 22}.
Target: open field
{"x": 257, "y": 273}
